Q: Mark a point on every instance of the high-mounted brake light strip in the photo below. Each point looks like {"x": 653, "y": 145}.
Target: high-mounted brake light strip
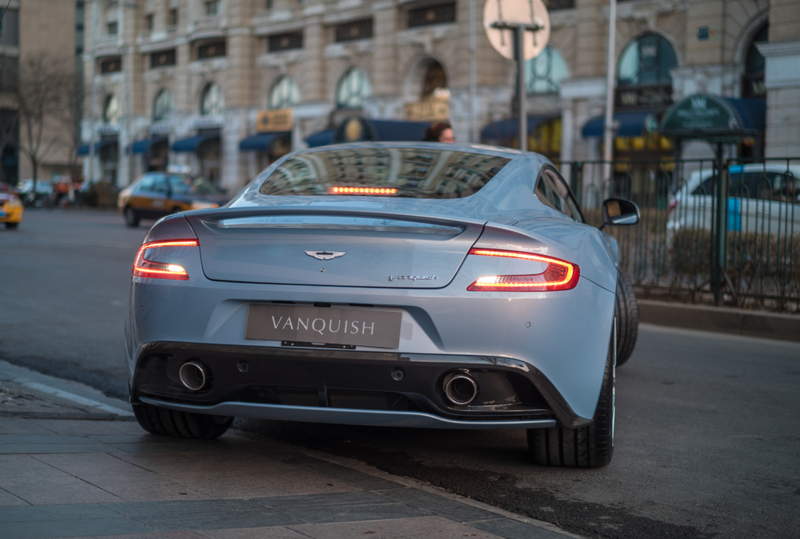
{"x": 558, "y": 275}
{"x": 161, "y": 270}
{"x": 363, "y": 190}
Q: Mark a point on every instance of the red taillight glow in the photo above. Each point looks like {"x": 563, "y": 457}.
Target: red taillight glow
{"x": 161, "y": 270}
{"x": 363, "y": 190}
{"x": 559, "y": 275}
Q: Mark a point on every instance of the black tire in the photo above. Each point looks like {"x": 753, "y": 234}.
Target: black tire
{"x": 131, "y": 217}
{"x": 12, "y": 226}
{"x": 164, "y": 422}
{"x": 627, "y": 313}
{"x": 591, "y": 446}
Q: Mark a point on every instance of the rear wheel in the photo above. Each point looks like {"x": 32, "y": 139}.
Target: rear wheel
{"x": 12, "y": 226}
{"x": 164, "y": 422}
{"x": 131, "y": 218}
{"x": 585, "y": 447}
{"x": 627, "y": 313}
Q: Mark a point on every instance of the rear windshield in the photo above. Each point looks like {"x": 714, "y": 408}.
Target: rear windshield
{"x": 394, "y": 172}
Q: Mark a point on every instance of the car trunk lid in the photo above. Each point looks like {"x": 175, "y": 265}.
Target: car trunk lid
{"x": 332, "y": 247}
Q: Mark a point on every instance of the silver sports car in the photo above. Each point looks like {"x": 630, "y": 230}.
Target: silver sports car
{"x": 392, "y": 284}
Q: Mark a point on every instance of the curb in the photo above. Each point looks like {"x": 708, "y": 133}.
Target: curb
{"x": 783, "y": 327}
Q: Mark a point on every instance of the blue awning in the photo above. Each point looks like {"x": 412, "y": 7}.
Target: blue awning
{"x": 320, "y": 138}
{"x": 262, "y": 141}
{"x": 397, "y": 130}
{"x": 190, "y": 144}
{"x": 83, "y": 149}
{"x": 141, "y": 146}
{"x": 631, "y": 124}
{"x": 375, "y": 130}
{"x": 503, "y": 130}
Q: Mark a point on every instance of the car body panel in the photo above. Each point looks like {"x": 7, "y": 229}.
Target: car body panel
{"x": 762, "y": 198}
{"x": 11, "y": 209}
{"x": 558, "y": 341}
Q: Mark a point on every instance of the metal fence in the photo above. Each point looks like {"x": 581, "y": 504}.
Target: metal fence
{"x": 730, "y": 233}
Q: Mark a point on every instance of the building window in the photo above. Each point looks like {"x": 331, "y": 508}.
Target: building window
{"x": 148, "y": 21}
{"x": 647, "y": 61}
{"x": 354, "y": 87}
{"x": 211, "y": 50}
{"x": 544, "y": 73}
{"x": 284, "y": 94}
{"x": 427, "y": 16}
{"x": 285, "y": 42}
{"x": 555, "y": 5}
{"x": 268, "y": 4}
{"x": 111, "y": 110}
{"x": 753, "y": 78}
{"x": 350, "y": 31}
{"x": 434, "y": 84}
{"x": 173, "y": 18}
{"x": 212, "y": 7}
{"x": 162, "y": 59}
{"x": 212, "y": 101}
{"x": 111, "y": 65}
{"x": 162, "y": 106}
{"x": 112, "y": 28}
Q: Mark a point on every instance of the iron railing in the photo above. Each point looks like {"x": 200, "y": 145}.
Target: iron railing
{"x": 732, "y": 236}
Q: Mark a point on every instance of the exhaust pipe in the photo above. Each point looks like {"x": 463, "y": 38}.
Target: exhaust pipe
{"x": 193, "y": 375}
{"x": 460, "y": 388}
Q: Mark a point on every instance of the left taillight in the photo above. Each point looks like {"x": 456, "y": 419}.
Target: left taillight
{"x": 161, "y": 269}
{"x": 558, "y": 274}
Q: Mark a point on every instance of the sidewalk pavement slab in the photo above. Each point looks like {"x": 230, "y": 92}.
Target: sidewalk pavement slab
{"x": 71, "y": 467}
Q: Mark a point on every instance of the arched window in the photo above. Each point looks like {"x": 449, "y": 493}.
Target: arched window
{"x": 646, "y": 60}
{"x": 544, "y": 73}
{"x": 212, "y": 101}
{"x": 434, "y": 85}
{"x": 162, "y": 106}
{"x": 753, "y": 79}
{"x": 284, "y": 94}
{"x": 111, "y": 110}
{"x": 354, "y": 87}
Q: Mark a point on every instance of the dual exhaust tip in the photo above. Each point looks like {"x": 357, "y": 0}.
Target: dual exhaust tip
{"x": 460, "y": 388}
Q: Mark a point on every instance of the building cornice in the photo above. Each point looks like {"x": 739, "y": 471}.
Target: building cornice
{"x": 776, "y": 50}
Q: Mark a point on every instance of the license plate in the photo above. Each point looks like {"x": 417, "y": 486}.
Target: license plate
{"x": 325, "y": 325}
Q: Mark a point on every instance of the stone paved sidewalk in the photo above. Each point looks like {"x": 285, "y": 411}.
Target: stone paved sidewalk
{"x": 71, "y": 467}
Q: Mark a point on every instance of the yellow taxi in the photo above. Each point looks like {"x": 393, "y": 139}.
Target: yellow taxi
{"x": 10, "y": 210}
{"x": 157, "y": 194}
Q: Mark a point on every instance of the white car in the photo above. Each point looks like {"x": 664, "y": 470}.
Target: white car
{"x": 762, "y": 198}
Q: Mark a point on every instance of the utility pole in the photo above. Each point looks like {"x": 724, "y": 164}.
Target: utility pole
{"x": 93, "y": 92}
{"x": 611, "y": 75}
{"x": 518, "y": 30}
{"x": 472, "y": 70}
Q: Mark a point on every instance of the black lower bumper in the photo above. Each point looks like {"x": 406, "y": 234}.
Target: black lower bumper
{"x": 282, "y": 383}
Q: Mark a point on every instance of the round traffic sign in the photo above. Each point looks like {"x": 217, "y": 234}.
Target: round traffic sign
{"x": 528, "y": 12}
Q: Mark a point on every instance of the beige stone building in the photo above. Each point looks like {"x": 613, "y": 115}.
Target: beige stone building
{"x": 184, "y": 82}
{"x": 34, "y": 30}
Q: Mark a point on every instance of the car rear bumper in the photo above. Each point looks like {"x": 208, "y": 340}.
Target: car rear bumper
{"x": 349, "y": 387}
{"x": 343, "y": 416}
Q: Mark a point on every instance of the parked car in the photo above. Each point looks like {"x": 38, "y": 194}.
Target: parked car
{"x": 762, "y": 198}
{"x": 10, "y": 210}
{"x": 157, "y": 194}
{"x": 42, "y": 197}
{"x": 388, "y": 284}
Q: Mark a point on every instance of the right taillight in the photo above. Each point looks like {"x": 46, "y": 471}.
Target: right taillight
{"x": 558, "y": 275}
{"x": 153, "y": 269}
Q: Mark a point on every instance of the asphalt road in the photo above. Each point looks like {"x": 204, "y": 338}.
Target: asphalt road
{"x": 708, "y": 434}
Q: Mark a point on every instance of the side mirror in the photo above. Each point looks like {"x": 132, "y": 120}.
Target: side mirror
{"x": 619, "y": 211}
